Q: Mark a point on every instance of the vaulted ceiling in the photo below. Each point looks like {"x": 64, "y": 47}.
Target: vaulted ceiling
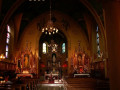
{"x": 33, "y": 8}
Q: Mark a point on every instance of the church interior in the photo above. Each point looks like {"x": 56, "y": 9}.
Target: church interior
{"x": 59, "y": 44}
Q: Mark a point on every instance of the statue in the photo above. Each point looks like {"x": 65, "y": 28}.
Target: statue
{"x": 75, "y": 60}
{"x": 80, "y": 64}
{"x": 53, "y": 59}
{"x": 26, "y": 61}
{"x": 80, "y": 61}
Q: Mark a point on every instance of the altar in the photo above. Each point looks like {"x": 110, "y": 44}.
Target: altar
{"x": 53, "y": 76}
{"x": 80, "y": 63}
{"x": 26, "y": 63}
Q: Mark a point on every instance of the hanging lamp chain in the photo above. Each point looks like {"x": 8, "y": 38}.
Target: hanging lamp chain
{"x": 50, "y": 10}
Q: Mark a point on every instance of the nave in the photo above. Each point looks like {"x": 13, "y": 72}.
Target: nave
{"x": 66, "y": 83}
{"x": 75, "y": 41}
{"x": 71, "y": 83}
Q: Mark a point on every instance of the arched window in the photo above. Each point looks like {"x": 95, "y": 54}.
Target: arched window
{"x": 98, "y": 43}
{"x": 44, "y": 48}
{"x": 63, "y": 48}
{"x": 7, "y": 41}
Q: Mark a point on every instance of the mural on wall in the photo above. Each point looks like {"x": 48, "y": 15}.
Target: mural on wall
{"x": 26, "y": 61}
{"x": 80, "y": 61}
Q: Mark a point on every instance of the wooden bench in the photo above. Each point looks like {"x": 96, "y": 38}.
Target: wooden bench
{"x": 85, "y": 84}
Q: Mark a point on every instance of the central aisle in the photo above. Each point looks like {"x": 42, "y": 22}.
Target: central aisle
{"x": 50, "y": 87}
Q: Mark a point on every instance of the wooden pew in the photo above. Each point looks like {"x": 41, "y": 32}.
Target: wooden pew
{"x": 85, "y": 84}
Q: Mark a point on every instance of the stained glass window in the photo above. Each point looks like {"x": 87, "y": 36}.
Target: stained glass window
{"x": 63, "y": 48}
{"x": 8, "y": 28}
{"x": 44, "y": 48}
{"x": 7, "y": 41}
{"x": 97, "y": 35}
{"x": 6, "y": 47}
{"x": 8, "y": 35}
{"x": 98, "y": 43}
{"x": 6, "y": 54}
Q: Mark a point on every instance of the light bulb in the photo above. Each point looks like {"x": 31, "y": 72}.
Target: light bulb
{"x": 45, "y": 32}
{"x": 50, "y": 27}
{"x": 54, "y": 29}
{"x": 46, "y": 28}
{"x": 3, "y": 57}
{"x": 53, "y": 32}
{"x": 49, "y": 33}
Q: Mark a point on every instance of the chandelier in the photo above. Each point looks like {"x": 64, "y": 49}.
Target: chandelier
{"x": 49, "y": 28}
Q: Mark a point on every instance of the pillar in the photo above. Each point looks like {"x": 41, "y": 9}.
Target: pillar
{"x": 112, "y": 17}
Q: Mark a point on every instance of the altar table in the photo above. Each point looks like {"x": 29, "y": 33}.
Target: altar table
{"x": 24, "y": 75}
{"x": 82, "y": 75}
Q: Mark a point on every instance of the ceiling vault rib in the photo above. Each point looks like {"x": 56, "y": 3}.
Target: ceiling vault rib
{"x": 96, "y": 16}
{"x": 84, "y": 2}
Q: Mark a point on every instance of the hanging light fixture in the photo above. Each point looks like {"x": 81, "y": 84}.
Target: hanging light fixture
{"x": 49, "y": 28}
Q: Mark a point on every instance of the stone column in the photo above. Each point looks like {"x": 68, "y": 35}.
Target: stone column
{"x": 112, "y": 17}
